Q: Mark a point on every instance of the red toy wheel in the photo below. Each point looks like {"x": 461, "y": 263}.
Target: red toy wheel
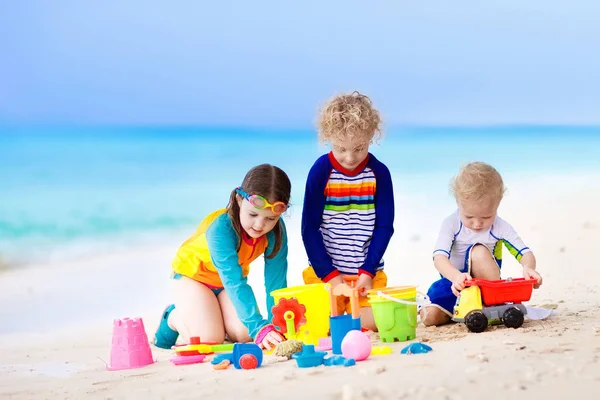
{"x": 248, "y": 361}
{"x": 282, "y": 307}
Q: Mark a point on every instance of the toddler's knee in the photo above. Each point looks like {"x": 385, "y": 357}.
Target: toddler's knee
{"x": 483, "y": 264}
{"x": 432, "y": 316}
{"x": 426, "y": 318}
{"x": 480, "y": 253}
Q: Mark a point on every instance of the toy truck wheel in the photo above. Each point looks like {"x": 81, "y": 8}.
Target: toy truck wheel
{"x": 476, "y": 321}
{"x": 513, "y": 318}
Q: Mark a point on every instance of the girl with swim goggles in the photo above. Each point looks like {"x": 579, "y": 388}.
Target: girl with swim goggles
{"x": 261, "y": 203}
{"x": 212, "y": 295}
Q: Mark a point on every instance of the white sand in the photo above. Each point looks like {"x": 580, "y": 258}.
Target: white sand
{"x": 58, "y": 318}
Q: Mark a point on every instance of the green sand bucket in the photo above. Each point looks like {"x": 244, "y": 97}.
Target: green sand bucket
{"x": 395, "y": 312}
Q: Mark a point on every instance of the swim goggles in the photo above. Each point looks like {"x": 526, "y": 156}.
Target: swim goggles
{"x": 261, "y": 203}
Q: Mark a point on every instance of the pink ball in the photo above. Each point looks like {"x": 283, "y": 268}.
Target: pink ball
{"x": 357, "y": 345}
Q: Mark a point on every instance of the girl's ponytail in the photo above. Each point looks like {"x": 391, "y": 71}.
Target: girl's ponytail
{"x": 233, "y": 209}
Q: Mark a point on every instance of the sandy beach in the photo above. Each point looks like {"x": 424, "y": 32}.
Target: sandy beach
{"x": 123, "y": 125}
{"x": 59, "y": 318}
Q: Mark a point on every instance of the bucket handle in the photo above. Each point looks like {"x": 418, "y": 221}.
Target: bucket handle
{"x": 419, "y": 304}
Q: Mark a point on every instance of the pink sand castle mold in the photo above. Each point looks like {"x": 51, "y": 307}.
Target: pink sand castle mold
{"x": 130, "y": 346}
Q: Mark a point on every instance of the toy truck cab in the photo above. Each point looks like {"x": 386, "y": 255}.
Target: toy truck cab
{"x": 484, "y": 302}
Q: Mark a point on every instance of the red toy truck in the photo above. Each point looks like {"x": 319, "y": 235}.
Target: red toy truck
{"x": 485, "y": 302}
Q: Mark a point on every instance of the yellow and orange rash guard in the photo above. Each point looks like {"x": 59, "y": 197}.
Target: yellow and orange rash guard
{"x": 210, "y": 256}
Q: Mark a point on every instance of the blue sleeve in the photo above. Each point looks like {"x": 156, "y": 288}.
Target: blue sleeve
{"x": 384, "y": 219}
{"x": 275, "y": 268}
{"x": 222, "y": 244}
{"x": 312, "y": 215}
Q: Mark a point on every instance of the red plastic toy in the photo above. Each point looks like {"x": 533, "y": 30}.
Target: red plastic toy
{"x": 502, "y": 291}
{"x": 483, "y": 302}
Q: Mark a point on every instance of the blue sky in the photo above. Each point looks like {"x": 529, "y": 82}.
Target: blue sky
{"x": 272, "y": 63}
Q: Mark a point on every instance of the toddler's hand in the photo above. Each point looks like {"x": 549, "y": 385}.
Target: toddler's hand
{"x": 530, "y": 273}
{"x": 458, "y": 283}
{"x": 271, "y": 340}
{"x": 364, "y": 283}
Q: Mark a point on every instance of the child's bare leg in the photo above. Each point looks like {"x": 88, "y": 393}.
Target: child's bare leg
{"x": 236, "y": 331}
{"x": 197, "y": 312}
{"x": 433, "y": 316}
{"x": 483, "y": 264}
{"x": 367, "y": 320}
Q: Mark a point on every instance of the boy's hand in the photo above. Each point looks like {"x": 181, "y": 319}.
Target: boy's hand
{"x": 336, "y": 280}
{"x": 364, "y": 283}
{"x": 530, "y": 273}
{"x": 458, "y": 283}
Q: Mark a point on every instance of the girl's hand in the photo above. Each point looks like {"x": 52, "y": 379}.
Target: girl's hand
{"x": 530, "y": 273}
{"x": 271, "y": 340}
{"x": 458, "y": 283}
{"x": 363, "y": 284}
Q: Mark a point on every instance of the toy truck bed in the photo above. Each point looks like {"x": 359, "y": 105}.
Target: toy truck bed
{"x": 498, "y": 292}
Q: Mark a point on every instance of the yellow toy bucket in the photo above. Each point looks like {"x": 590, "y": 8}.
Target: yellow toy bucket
{"x": 395, "y": 312}
{"x": 315, "y": 298}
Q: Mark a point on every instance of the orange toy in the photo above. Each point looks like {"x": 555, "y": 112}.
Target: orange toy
{"x": 347, "y": 290}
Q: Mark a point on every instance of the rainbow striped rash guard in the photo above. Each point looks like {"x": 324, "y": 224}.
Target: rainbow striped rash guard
{"x": 347, "y": 217}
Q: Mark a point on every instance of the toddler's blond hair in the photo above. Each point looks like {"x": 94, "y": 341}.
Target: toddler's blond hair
{"x": 349, "y": 116}
{"x": 477, "y": 180}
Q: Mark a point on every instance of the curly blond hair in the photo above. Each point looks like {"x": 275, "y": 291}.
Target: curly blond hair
{"x": 348, "y": 116}
{"x": 477, "y": 180}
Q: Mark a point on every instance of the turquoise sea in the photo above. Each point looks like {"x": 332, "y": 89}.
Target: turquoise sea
{"x": 67, "y": 191}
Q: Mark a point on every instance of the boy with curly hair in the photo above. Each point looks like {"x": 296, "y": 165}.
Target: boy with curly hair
{"x": 348, "y": 212}
{"x": 470, "y": 241}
